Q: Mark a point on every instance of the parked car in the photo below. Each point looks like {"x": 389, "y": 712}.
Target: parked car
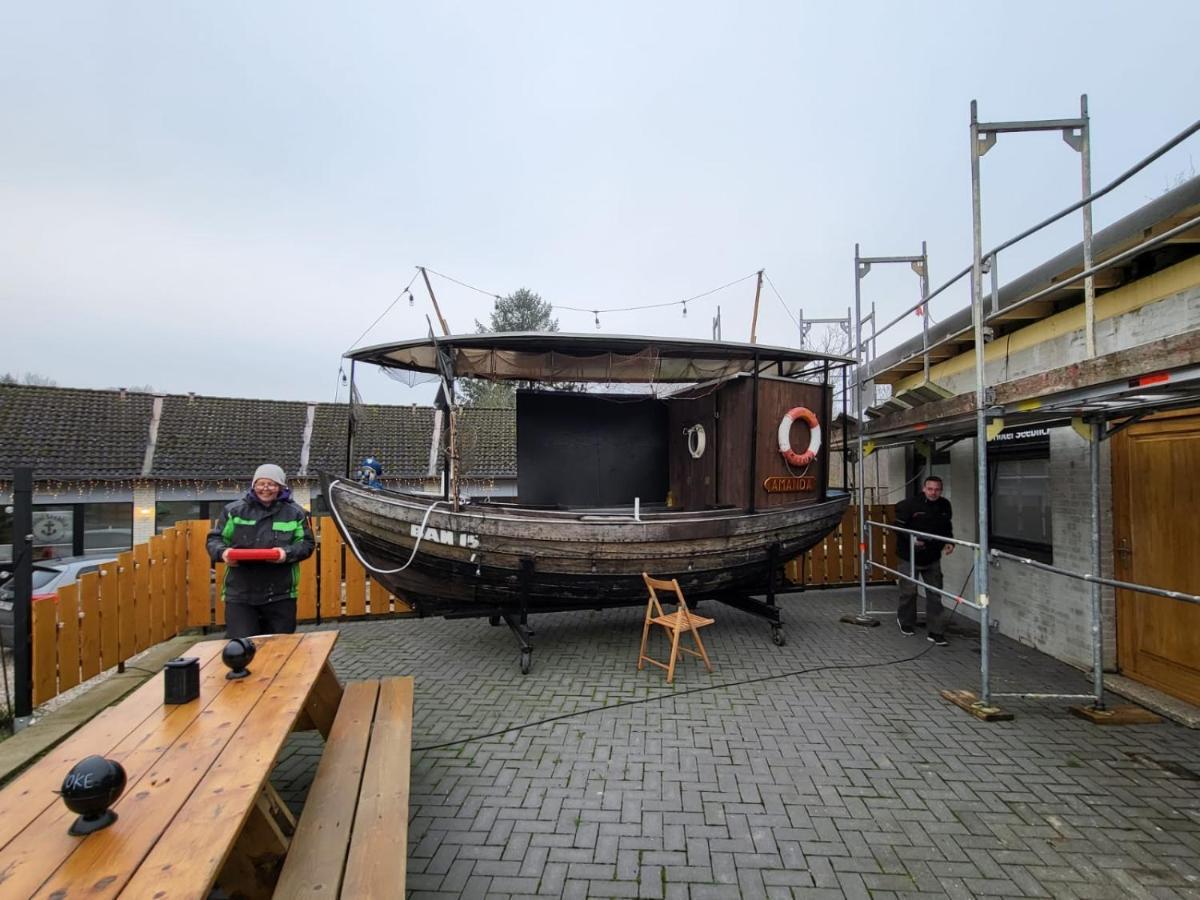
{"x": 48, "y": 576}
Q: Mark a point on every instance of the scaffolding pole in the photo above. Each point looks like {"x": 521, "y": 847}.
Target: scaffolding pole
{"x": 862, "y": 266}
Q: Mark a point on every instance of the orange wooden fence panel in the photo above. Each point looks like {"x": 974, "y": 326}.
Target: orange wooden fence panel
{"x": 89, "y": 625}
{"x": 109, "y": 588}
{"x": 356, "y": 586}
{"x": 380, "y": 601}
{"x": 141, "y": 597}
{"x": 45, "y": 650}
{"x": 835, "y": 561}
{"x": 331, "y": 570}
{"x": 155, "y": 599}
{"x": 68, "y": 636}
{"x": 126, "y": 615}
{"x": 199, "y": 579}
{"x": 306, "y": 598}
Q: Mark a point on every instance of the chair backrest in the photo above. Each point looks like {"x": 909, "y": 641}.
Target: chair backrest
{"x": 653, "y": 585}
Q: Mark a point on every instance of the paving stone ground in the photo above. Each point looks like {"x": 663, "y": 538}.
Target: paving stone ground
{"x": 829, "y": 767}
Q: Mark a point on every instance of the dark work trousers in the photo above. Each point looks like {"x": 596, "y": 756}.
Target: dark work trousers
{"x": 935, "y": 613}
{"x": 246, "y": 620}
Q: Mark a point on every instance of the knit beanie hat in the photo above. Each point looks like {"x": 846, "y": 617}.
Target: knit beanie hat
{"x": 272, "y": 472}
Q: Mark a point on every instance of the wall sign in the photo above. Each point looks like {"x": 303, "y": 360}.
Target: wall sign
{"x": 789, "y": 484}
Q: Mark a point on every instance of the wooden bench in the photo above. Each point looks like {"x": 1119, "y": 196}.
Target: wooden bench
{"x": 352, "y": 837}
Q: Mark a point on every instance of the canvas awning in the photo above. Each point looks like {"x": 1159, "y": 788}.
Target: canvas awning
{"x": 555, "y": 357}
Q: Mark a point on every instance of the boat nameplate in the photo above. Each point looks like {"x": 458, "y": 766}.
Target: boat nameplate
{"x": 447, "y": 536}
{"x": 788, "y": 484}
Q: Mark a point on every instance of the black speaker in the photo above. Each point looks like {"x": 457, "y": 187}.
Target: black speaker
{"x": 181, "y": 680}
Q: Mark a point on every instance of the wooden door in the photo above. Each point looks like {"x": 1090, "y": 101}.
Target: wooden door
{"x": 1156, "y": 541}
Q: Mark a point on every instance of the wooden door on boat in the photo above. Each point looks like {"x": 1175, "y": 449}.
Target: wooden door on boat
{"x": 1156, "y": 541}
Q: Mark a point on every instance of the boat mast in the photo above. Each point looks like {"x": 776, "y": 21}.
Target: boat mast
{"x": 437, "y": 309}
{"x": 754, "y": 318}
{"x": 350, "y": 425}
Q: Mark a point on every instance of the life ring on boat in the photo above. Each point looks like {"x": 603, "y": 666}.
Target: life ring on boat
{"x": 695, "y": 440}
{"x": 785, "y": 436}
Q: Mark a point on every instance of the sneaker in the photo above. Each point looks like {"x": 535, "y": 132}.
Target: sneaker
{"x": 938, "y": 639}
{"x": 905, "y": 629}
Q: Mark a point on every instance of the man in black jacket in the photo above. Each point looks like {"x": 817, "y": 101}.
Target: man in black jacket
{"x": 260, "y": 596}
{"x": 930, "y": 513}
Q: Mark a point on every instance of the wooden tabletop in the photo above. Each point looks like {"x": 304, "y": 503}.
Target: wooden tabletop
{"x": 194, "y": 773}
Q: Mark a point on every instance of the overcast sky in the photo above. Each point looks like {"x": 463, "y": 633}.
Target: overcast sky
{"x": 221, "y": 197}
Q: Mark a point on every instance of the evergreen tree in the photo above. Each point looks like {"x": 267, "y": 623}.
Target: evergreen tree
{"x": 522, "y": 310}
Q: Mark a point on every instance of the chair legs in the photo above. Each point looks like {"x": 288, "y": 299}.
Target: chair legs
{"x": 645, "y": 638}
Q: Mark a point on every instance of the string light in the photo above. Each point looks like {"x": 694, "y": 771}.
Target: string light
{"x": 685, "y": 309}
{"x": 411, "y": 302}
{"x": 596, "y": 313}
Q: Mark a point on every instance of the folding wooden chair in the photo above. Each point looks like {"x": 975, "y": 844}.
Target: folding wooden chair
{"x": 675, "y": 623}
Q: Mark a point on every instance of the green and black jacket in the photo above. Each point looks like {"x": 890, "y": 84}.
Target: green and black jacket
{"x": 247, "y": 524}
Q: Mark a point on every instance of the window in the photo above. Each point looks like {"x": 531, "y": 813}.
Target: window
{"x": 107, "y": 528}
{"x": 1019, "y": 495}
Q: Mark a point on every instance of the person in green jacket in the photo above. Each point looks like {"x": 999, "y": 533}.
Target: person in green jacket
{"x": 260, "y": 597}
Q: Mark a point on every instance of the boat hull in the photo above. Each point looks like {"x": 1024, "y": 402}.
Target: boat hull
{"x": 488, "y": 558}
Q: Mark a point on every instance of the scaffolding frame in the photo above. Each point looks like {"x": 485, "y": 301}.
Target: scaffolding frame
{"x": 1088, "y": 408}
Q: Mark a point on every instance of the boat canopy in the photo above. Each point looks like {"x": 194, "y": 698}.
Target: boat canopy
{"x": 557, "y": 357}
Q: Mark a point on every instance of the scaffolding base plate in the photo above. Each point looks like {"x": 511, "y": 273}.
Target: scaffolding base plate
{"x": 967, "y": 700}
{"x": 1116, "y": 715}
{"x": 864, "y": 621}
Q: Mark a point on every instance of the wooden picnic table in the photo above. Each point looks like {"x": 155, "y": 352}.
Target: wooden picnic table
{"x": 198, "y": 800}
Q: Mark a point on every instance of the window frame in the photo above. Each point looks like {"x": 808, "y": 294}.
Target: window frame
{"x": 1033, "y": 450}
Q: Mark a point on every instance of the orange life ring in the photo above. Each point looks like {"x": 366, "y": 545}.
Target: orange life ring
{"x": 785, "y": 436}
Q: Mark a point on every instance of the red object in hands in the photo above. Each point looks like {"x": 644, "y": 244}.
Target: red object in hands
{"x": 266, "y": 554}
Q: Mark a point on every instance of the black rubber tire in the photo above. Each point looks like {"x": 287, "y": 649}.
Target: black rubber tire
{"x": 777, "y": 636}
{"x": 526, "y": 661}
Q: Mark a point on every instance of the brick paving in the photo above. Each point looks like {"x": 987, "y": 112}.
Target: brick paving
{"x": 852, "y": 778}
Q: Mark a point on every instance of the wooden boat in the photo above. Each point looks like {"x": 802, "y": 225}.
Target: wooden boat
{"x": 718, "y": 483}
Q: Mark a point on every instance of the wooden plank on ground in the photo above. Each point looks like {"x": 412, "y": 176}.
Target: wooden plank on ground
{"x": 102, "y": 865}
{"x": 318, "y": 852}
{"x": 203, "y": 831}
{"x": 356, "y": 586}
{"x": 199, "y": 581}
{"x": 68, "y": 636}
{"x": 126, "y": 611}
{"x": 331, "y": 571}
{"x": 381, "y": 822}
{"x": 109, "y": 597}
{"x": 31, "y": 792}
{"x": 44, "y": 844}
{"x": 89, "y": 625}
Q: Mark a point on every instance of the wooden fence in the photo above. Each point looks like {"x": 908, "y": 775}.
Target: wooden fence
{"x": 166, "y": 586}
{"x": 834, "y": 562}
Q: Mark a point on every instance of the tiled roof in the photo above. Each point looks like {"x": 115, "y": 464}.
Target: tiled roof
{"x": 206, "y": 437}
{"x": 68, "y": 433}
{"x": 398, "y": 436}
{"x": 73, "y": 433}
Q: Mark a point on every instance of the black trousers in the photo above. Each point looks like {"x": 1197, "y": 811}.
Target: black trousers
{"x": 245, "y": 619}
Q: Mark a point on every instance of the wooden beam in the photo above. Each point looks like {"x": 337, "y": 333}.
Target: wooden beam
{"x": 1166, "y": 353}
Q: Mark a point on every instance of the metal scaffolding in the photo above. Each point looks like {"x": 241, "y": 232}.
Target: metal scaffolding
{"x": 1100, "y": 389}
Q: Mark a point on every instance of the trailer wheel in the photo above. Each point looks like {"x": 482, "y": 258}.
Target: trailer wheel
{"x": 526, "y": 661}
{"x": 493, "y": 621}
{"x": 777, "y": 635}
